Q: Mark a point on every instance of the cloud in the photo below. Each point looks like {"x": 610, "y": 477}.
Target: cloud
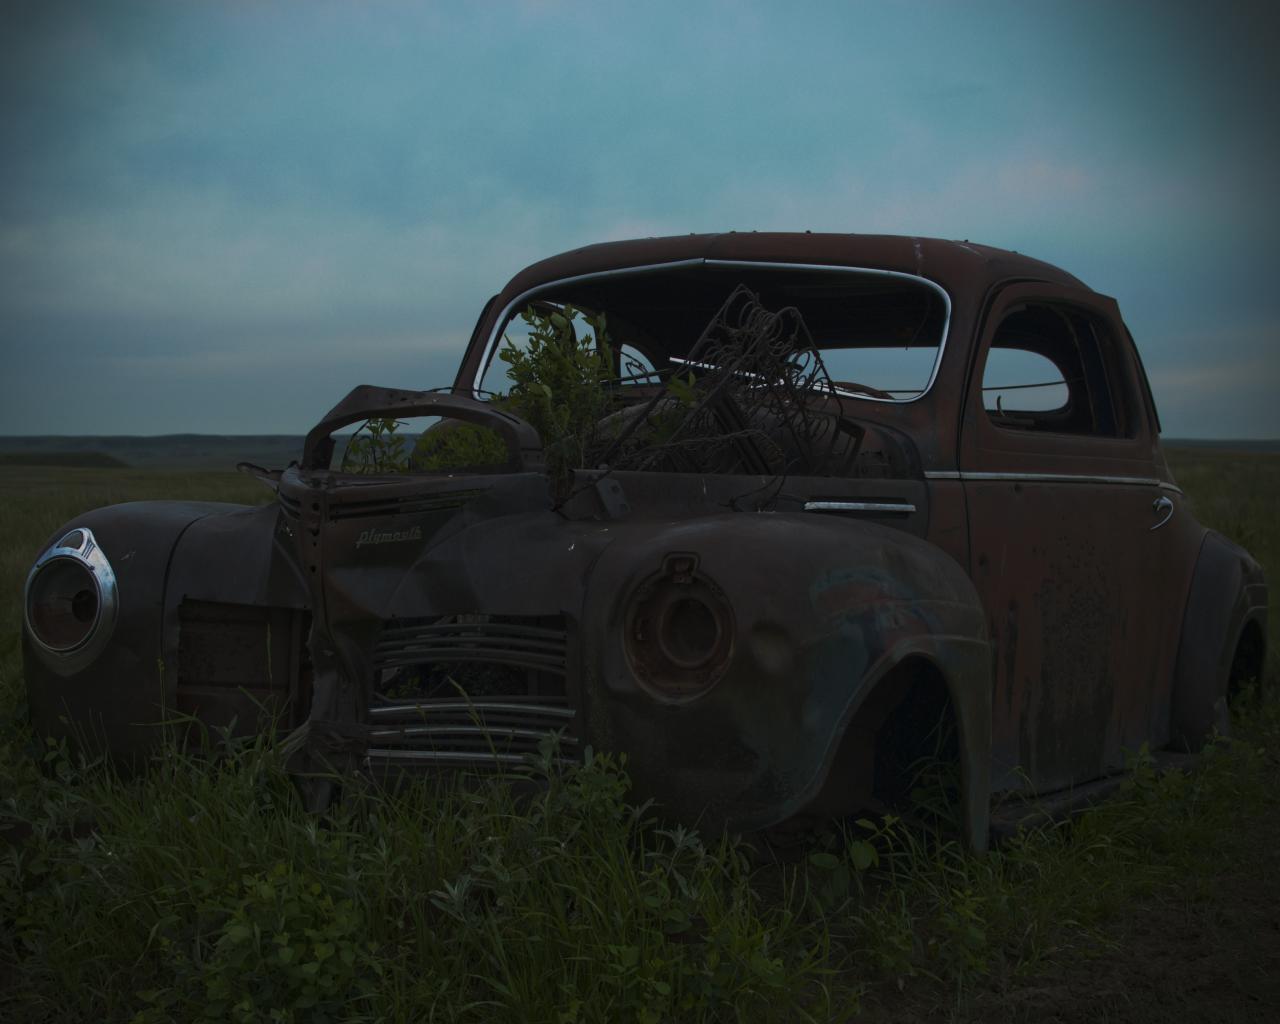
{"x": 1219, "y": 383}
{"x": 247, "y": 183}
{"x": 208, "y": 256}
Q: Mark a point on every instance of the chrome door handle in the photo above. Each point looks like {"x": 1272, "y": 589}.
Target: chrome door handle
{"x": 1164, "y": 505}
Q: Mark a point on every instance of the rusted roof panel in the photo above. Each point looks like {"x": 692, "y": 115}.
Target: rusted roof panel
{"x": 955, "y": 265}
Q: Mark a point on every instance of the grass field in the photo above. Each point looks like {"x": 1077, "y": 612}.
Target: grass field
{"x": 202, "y": 892}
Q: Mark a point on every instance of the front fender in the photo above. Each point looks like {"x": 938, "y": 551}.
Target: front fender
{"x": 822, "y": 608}
{"x": 113, "y": 703}
{"x": 234, "y": 631}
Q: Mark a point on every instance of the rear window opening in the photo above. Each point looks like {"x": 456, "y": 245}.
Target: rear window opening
{"x": 1054, "y": 369}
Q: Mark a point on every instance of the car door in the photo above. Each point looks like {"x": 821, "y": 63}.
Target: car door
{"x": 1056, "y": 462}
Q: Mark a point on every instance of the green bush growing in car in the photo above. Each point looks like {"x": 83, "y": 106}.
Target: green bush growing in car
{"x": 558, "y": 384}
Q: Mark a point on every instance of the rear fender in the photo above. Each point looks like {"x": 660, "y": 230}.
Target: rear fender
{"x": 1228, "y": 592}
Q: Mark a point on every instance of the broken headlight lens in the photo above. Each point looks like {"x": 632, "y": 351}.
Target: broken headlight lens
{"x": 71, "y": 601}
{"x": 63, "y": 606}
{"x": 679, "y": 631}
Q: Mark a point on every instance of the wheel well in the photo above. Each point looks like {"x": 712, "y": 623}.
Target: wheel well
{"x": 1246, "y": 663}
{"x": 904, "y": 739}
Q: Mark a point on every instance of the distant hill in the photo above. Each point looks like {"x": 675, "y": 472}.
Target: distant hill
{"x": 82, "y": 460}
{"x": 1241, "y": 445}
{"x": 275, "y": 451}
{"x": 170, "y": 451}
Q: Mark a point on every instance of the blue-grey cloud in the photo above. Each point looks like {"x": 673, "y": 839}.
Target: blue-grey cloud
{"x": 208, "y": 200}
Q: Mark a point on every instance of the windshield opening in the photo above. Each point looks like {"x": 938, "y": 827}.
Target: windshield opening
{"x": 879, "y": 334}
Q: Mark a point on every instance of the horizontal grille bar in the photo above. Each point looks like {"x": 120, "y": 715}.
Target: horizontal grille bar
{"x": 498, "y": 643}
{"x": 458, "y": 731}
{"x": 427, "y": 758}
{"x": 401, "y": 506}
{"x": 465, "y": 732}
{"x": 467, "y": 711}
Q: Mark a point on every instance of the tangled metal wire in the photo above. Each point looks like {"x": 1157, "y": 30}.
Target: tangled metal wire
{"x": 742, "y": 401}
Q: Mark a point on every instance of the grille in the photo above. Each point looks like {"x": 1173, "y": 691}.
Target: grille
{"x": 469, "y": 690}
{"x": 242, "y": 666}
{"x": 482, "y": 640}
{"x": 416, "y": 505}
{"x": 482, "y": 732}
{"x": 386, "y": 507}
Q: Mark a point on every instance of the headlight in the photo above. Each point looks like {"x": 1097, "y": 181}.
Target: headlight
{"x": 679, "y": 625}
{"x": 71, "y": 601}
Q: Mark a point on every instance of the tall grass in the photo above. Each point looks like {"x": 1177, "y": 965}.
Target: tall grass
{"x": 202, "y": 891}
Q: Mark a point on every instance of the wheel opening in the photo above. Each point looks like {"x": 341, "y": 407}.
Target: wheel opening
{"x": 1246, "y": 663}
{"x": 900, "y": 754}
{"x": 917, "y": 753}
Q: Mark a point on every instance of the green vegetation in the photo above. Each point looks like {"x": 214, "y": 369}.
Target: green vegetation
{"x": 83, "y": 460}
{"x": 556, "y": 383}
{"x": 202, "y": 892}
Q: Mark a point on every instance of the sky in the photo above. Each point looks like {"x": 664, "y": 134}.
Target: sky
{"x": 219, "y": 217}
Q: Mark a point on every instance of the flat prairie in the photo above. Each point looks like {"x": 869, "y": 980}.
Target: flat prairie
{"x": 200, "y": 891}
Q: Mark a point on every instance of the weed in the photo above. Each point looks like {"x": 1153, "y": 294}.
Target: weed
{"x": 202, "y": 889}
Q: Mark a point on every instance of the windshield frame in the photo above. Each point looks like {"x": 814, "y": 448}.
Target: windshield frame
{"x": 537, "y": 291}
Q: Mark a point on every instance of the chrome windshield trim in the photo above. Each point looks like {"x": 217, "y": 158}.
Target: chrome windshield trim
{"x": 901, "y": 507}
{"x": 1050, "y": 478}
{"x": 523, "y": 298}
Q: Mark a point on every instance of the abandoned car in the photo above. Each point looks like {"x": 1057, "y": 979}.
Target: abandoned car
{"x": 787, "y": 513}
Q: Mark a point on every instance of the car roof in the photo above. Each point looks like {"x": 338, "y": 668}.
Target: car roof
{"x": 956, "y": 265}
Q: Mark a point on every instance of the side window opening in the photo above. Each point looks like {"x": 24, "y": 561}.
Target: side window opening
{"x": 636, "y": 367}
{"x": 1053, "y": 370}
{"x": 1020, "y": 382}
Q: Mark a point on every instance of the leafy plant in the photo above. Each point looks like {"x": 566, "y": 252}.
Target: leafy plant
{"x": 559, "y": 383}
{"x": 454, "y": 445}
{"x": 377, "y": 448}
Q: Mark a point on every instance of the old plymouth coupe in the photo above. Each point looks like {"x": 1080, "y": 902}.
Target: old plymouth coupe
{"x": 845, "y": 502}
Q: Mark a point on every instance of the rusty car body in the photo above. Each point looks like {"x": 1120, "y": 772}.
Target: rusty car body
{"x": 768, "y": 628}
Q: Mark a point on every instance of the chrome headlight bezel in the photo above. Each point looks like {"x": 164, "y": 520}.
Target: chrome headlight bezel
{"x": 80, "y": 548}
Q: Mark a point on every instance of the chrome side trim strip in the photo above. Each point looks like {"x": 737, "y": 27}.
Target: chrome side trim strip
{"x": 523, "y": 298}
{"x": 903, "y": 507}
{"x": 1051, "y": 478}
